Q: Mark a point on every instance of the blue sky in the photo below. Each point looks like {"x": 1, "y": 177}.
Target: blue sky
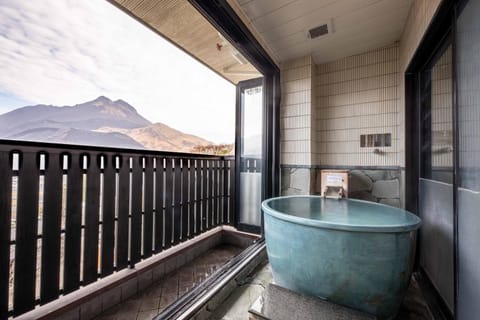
{"x": 65, "y": 52}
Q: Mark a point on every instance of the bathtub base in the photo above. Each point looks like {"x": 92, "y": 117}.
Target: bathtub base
{"x": 280, "y": 303}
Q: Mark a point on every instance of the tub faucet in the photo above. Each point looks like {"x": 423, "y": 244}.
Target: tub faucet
{"x": 333, "y": 192}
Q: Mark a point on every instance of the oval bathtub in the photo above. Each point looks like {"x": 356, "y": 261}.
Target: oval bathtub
{"x": 352, "y": 252}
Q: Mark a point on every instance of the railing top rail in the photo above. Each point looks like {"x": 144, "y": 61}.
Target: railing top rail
{"x": 47, "y": 146}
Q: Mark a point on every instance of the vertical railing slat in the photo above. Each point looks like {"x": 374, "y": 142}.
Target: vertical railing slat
{"x": 5, "y": 224}
{"x": 123, "y": 211}
{"x": 108, "y": 215}
{"x": 73, "y": 224}
{"x": 168, "y": 202}
{"x": 226, "y": 176}
{"x": 214, "y": 171}
{"x": 148, "y": 208}
{"x": 210, "y": 196}
{"x": 191, "y": 198}
{"x": 92, "y": 211}
{"x": 136, "y": 218}
{"x": 221, "y": 179}
{"x": 52, "y": 219}
{"x": 184, "y": 199}
{"x": 159, "y": 190}
{"x": 198, "y": 196}
{"x": 26, "y": 234}
{"x": 177, "y": 198}
{"x": 204, "y": 194}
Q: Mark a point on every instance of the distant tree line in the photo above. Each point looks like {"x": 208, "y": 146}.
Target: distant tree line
{"x": 216, "y": 149}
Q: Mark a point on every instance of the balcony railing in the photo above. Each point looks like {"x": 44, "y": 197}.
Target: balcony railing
{"x": 70, "y": 215}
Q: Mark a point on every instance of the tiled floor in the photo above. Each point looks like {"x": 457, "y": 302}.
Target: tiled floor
{"x": 161, "y": 294}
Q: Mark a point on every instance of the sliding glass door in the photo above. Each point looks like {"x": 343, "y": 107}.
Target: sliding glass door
{"x": 436, "y": 182}
{"x": 249, "y": 153}
{"x": 467, "y": 64}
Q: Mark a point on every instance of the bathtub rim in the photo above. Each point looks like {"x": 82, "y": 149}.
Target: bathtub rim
{"x": 339, "y": 226}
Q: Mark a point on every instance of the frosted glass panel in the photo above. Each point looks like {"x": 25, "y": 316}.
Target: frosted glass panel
{"x": 436, "y": 246}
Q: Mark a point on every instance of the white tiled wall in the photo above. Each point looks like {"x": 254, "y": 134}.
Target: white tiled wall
{"x": 357, "y": 95}
{"x": 296, "y": 120}
{"x": 326, "y": 108}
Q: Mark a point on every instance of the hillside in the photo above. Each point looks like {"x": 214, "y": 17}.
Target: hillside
{"x": 101, "y": 122}
{"x": 159, "y": 136}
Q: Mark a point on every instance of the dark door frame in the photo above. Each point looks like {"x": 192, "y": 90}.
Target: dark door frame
{"x": 239, "y": 121}
{"x": 443, "y": 24}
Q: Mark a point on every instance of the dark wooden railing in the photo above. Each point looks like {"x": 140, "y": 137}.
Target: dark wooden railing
{"x": 70, "y": 215}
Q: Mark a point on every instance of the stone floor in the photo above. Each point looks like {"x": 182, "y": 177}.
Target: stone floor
{"x": 161, "y": 294}
{"x": 236, "y": 306}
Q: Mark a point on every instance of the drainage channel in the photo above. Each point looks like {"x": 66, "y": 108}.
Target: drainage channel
{"x": 192, "y": 302}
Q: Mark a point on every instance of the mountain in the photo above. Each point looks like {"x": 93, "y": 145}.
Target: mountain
{"x": 90, "y": 115}
{"x": 101, "y": 122}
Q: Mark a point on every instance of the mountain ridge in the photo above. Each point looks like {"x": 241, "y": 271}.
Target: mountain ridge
{"x": 101, "y": 122}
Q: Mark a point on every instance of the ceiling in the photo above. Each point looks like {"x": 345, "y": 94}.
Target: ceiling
{"x": 358, "y": 25}
{"x": 182, "y": 24}
{"x": 355, "y": 26}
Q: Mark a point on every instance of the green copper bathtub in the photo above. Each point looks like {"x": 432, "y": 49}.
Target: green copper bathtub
{"x": 356, "y": 253}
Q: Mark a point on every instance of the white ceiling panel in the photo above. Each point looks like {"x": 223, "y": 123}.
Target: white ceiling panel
{"x": 358, "y": 25}
{"x": 257, "y": 9}
{"x": 292, "y": 11}
{"x": 345, "y": 27}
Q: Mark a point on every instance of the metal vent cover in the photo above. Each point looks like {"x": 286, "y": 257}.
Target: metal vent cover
{"x": 318, "y": 31}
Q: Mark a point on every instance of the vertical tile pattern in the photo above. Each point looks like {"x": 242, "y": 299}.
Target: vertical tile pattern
{"x": 357, "y": 95}
{"x": 296, "y": 122}
{"x": 421, "y": 13}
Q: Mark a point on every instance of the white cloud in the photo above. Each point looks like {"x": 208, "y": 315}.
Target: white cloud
{"x": 70, "y": 51}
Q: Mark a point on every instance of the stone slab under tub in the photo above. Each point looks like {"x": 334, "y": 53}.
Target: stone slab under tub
{"x": 277, "y": 303}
